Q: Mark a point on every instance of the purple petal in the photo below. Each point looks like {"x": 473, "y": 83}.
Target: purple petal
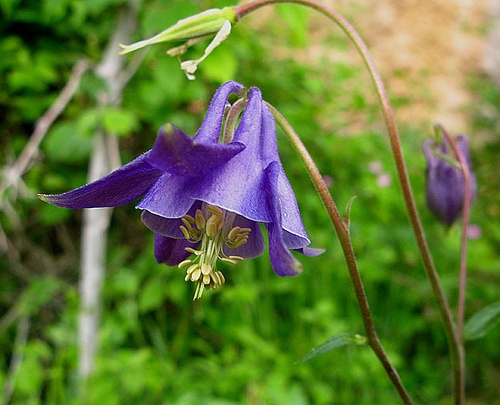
{"x": 171, "y": 251}
{"x": 239, "y": 184}
{"x": 210, "y": 129}
{"x": 169, "y": 197}
{"x": 167, "y": 226}
{"x": 120, "y": 187}
{"x": 176, "y": 153}
{"x": 294, "y": 235}
{"x": 283, "y": 262}
{"x": 306, "y": 251}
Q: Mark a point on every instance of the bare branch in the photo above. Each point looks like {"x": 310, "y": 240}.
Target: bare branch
{"x": 12, "y": 175}
{"x": 17, "y": 358}
{"x": 104, "y": 157}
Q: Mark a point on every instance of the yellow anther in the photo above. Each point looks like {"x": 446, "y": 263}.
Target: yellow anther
{"x": 234, "y": 232}
{"x": 194, "y": 251}
{"x": 214, "y": 225}
{"x": 214, "y": 210}
{"x": 196, "y": 274}
{"x": 215, "y": 278}
{"x": 190, "y": 271}
{"x": 200, "y": 220}
{"x": 218, "y": 278}
{"x": 192, "y": 268}
{"x": 241, "y": 239}
{"x": 185, "y": 232}
{"x": 184, "y": 263}
{"x": 206, "y": 268}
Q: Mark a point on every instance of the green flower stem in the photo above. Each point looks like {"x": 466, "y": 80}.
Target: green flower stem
{"x": 432, "y": 274}
{"x": 345, "y": 240}
{"x": 464, "y": 167}
{"x": 232, "y": 119}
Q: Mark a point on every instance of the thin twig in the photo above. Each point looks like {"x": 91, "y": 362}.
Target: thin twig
{"x": 462, "y": 284}
{"x": 105, "y": 156}
{"x": 13, "y": 174}
{"x": 16, "y": 359}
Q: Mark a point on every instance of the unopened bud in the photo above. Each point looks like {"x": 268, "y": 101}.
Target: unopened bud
{"x": 445, "y": 188}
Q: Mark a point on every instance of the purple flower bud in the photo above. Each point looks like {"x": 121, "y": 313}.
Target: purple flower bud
{"x": 445, "y": 188}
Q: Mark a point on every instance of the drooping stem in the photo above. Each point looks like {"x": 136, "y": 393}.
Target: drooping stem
{"x": 342, "y": 231}
{"x": 431, "y": 271}
{"x": 232, "y": 119}
{"x": 464, "y": 167}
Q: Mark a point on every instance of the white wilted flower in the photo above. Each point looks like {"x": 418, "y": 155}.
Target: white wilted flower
{"x": 214, "y": 23}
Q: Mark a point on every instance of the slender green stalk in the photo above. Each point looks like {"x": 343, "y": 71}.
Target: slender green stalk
{"x": 345, "y": 241}
{"x": 464, "y": 167}
{"x": 232, "y": 119}
{"x": 431, "y": 271}
{"x": 462, "y": 285}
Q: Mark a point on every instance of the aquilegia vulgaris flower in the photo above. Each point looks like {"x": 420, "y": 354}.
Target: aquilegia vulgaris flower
{"x": 205, "y": 198}
{"x": 445, "y": 188}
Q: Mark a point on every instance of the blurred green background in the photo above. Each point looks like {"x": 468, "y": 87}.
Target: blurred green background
{"x": 240, "y": 344}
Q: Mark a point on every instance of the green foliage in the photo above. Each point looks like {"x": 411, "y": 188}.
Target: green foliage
{"x": 241, "y": 343}
{"x": 118, "y": 121}
{"x": 297, "y": 22}
{"x": 66, "y": 144}
{"x": 335, "y": 342}
{"x": 482, "y": 322}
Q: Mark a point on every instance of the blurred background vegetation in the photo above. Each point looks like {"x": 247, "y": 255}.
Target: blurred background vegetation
{"x": 240, "y": 344}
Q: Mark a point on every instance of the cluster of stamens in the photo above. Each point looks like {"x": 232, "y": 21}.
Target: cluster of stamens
{"x": 212, "y": 228}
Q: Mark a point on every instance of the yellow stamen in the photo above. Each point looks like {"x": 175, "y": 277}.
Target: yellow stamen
{"x": 184, "y": 263}
{"x": 212, "y": 227}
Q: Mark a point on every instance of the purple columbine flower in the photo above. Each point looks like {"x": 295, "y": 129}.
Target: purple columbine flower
{"x": 206, "y": 198}
{"x": 445, "y": 188}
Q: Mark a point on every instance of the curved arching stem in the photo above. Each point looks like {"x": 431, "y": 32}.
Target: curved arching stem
{"x": 456, "y": 349}
{"x": 345, "y": 241}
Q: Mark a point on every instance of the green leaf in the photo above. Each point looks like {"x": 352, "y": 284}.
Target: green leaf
{"x": 482, "y": 322}
{"x": 118, "y": 121}
{"x": 50, "y": 215}
{"x": 296, "y": 23}
{"x": 347, "y": 211}
{"x": 38, "y": 293}
{"x": 88, "y": 122}
{"x": 220, "y": 66}
{"x": 333, "y": 343}
{"x": 152, "y": 294}
{"x": 66, "y": 144}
